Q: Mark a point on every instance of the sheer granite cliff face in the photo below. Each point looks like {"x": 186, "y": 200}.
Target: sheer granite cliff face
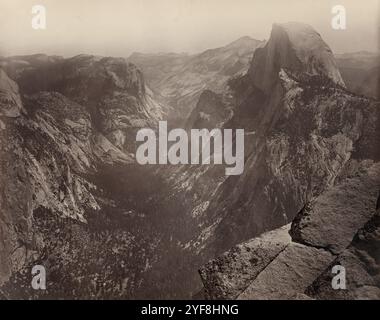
{"x": 210, "y": 112}
{"x": 315, "y": 151}
{"x": 111, "y": 89}
{"x": 73, "y": 201}
{"x": 178, "y": 80}
{"x": 293, "y": 46}
{"x": 45, "y": 151}
{"x": 72, "y": 197}
{"x": 300, "y": 135}
{"x": 60, "y": 127}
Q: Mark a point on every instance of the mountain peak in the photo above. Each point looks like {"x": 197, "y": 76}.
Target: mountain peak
{"x": 296, "y": 47}
{"x": 244, "y": 41}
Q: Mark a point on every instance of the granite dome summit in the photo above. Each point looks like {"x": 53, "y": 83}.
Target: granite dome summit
{"x": 296, "y": 47}
{"x": 74, "y": 199}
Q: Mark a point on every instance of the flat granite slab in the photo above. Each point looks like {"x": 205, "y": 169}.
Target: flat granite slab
{"x": 333, "y": 219}
{"x": 291, "y": 272}
{"x": 228, "y": 275}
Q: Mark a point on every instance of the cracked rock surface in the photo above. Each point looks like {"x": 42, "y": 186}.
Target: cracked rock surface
{"x": 340, "y": 227}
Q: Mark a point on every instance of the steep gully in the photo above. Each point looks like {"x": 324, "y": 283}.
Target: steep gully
{"x": 142, "y": 232}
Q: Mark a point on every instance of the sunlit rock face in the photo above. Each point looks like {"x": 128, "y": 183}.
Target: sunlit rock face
{"x": 111, "y": 89}
{"x": 338, "y": 228}
{"x": 61, "y": 120}
{"x": 73, "y": 198}
{"x": 313, "y": 140}
{"x": 301, "y": 128}
{"x": 10, "y": 102}
{"x": 297, "y": 47}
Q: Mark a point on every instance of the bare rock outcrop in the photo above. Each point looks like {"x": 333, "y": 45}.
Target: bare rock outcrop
{"x": 361, "y": 267}
{"x": 60, "y": 122}
{"x": 178, "y": 80}
{"x": 293, "y": 46}
{"x": 344, "y": 231}
{"x": 315, "y": 153}
{"x": 289, "y": 274}
{"x": 210, "y": 112}
{"x": 10, "y": 101}
{"x": 228, "y": 275}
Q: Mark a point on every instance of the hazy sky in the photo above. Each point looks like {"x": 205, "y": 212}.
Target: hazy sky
{"x": 119, "y": 27}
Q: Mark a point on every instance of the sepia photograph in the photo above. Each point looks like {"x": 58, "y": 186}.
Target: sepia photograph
{"x": 194, "y": 150}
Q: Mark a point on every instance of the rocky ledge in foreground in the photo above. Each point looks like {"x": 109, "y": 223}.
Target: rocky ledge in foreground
{"x": 340, "y": 227}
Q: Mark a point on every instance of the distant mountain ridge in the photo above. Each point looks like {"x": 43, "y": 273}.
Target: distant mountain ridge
{"x": 308, "y": 134}
{"x": 75, "y": 200}
{"x": 179, "y": 79}
{"x": 314, "y": 163}
{"x": 361, "y": 71}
